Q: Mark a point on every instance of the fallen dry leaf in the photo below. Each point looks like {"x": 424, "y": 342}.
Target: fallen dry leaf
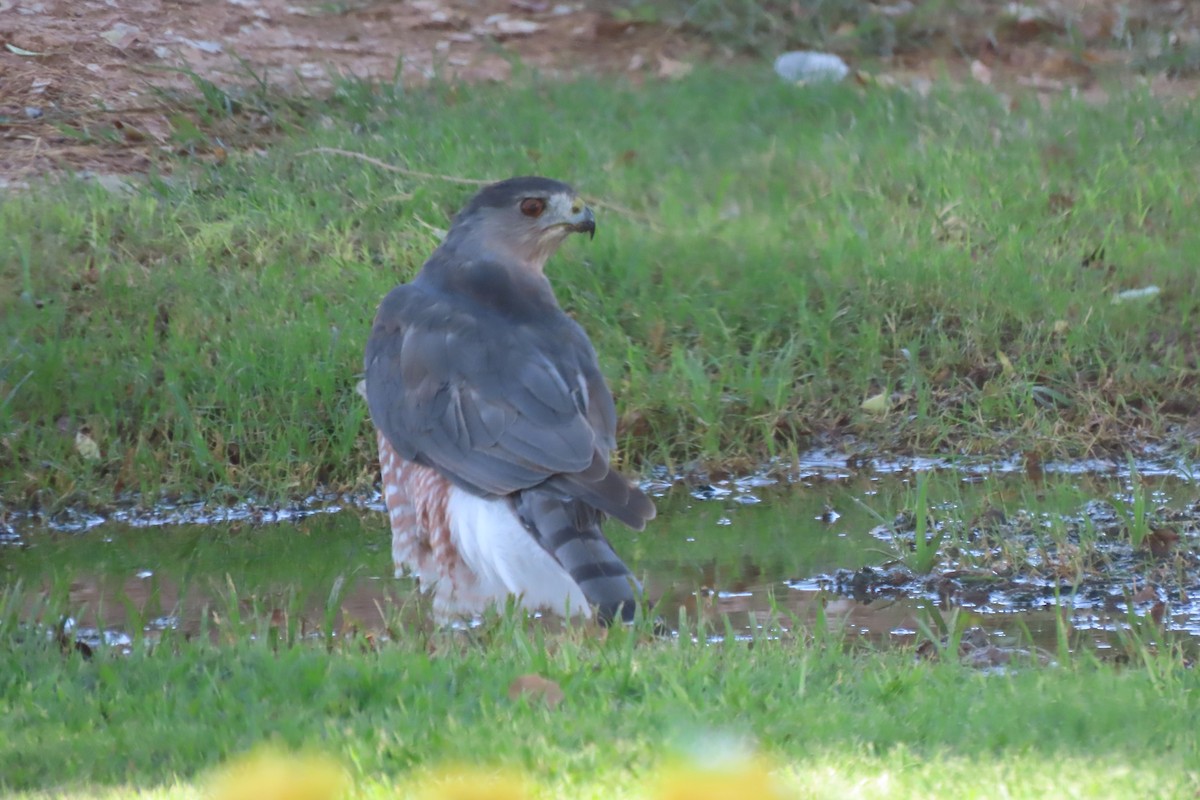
{"x": 876, "y": 404}
{"x": 609, "y": 28}
{"x": 670, "y": 69}
{"x": 1027, "y": 23}
{"x": 1161, "y": 541}
{"x": 1033, "y": 466}
{"x": 928, "y": 650}
{"x": 981, "y": 72}
{"x": 536, "y": 687}
{"x": 1144, "y": 595}
{"x": 1062, "y": 66}
{"x": 1005, "y": 365}
{"x": 121, "y": 35}
{"x": 1098, "y": 25}
{"x": 1059, "y": 203}
{"x": 86, "y": 446}
{"x": 865, "y": 79}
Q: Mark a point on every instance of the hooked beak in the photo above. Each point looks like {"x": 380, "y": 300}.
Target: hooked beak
{"x": 583, "y": 221}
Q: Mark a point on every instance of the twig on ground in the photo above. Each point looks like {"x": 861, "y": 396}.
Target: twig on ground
{"x": 412, "y": 173}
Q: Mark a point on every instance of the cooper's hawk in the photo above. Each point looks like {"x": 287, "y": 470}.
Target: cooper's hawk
{"x": 494, "y": 423}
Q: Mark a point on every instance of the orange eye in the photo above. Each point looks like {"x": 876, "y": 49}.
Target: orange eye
{"x": 533, "y": 206}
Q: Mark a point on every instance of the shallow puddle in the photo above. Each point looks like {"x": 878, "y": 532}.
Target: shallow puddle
{"x": 824, "y": 538}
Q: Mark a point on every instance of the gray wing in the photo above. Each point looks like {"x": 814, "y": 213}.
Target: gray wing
{"x": 496, "y": 408}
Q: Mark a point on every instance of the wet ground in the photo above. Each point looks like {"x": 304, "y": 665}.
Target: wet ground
{"x": 1015, "y": 554}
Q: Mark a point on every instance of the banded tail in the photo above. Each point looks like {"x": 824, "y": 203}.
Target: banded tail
{"x": 569, "y": 530}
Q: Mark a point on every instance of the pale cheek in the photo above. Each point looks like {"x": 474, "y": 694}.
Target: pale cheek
{"x": 554, "y": 235}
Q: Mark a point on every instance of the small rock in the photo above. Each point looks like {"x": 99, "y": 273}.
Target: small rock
{"x": 503, "y": 26}
{"x": 115, "y": 184}
{"x": 1145, "y": 293}
{"x": 33, "y": 112}
{"x": 810, "y": 67}
{"x": 11, "y": 186}
{"x": 212, "y": 48}
{"x": 981, "y": 72}
{"x": 897, "y": 10}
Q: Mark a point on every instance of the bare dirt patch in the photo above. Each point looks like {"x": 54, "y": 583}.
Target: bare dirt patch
{"x": 81, "y": 83}
{"x": 86, "y": 84}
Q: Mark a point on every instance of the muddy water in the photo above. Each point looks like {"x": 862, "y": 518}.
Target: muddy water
{"x": 813, "y": 540}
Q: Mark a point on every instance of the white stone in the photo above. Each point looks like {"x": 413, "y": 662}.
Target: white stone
{"x": 810, "y": 66}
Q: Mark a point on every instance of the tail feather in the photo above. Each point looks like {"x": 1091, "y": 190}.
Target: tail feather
{"x": 570, "y": 531}
{"x": 608, "y": 490}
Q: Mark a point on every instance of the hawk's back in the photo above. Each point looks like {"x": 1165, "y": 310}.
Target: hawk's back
{"x": 495, "y": 428}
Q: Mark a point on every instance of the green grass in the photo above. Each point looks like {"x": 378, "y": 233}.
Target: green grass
{"x": 835, "y": 723}
{"x": 790, "y": 253}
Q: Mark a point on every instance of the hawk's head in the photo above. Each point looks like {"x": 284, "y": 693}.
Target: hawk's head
{"x": 521, "y": 220}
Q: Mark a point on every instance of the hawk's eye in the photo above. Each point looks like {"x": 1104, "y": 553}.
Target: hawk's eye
{"x": 533, "y": 206}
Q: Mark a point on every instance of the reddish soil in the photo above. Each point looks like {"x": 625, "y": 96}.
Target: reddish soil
{"x": 96, "y": 64}
{"x": 82, "y": 81}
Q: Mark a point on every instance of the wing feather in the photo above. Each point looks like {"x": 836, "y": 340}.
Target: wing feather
{"x": 497, "y": 408}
